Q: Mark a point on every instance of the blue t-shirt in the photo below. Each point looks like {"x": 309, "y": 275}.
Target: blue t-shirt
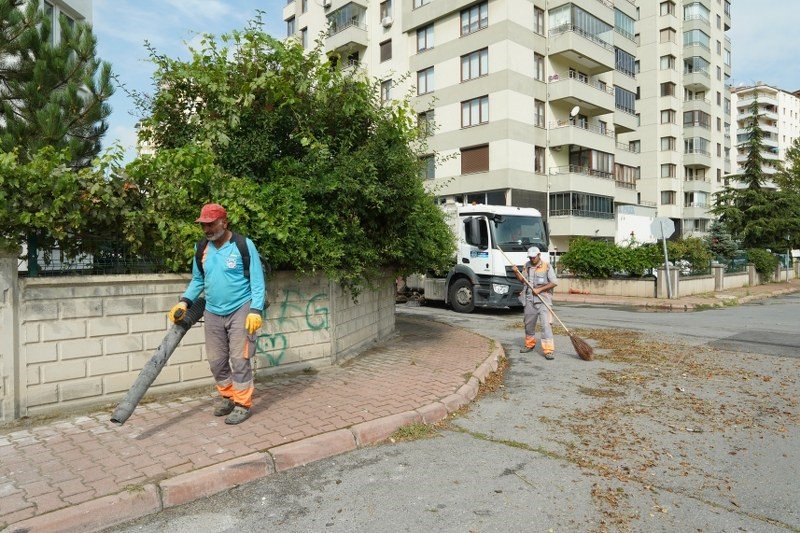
{"x": 224, "y": 283}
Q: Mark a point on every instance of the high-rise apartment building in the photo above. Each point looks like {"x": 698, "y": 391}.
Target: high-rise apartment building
{"x": 538, "y": 103}
{"x": 779, "y": 118}
{"x": 70, "y": 10}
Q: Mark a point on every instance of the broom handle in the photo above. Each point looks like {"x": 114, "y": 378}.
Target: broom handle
{"x": 528, "y": 283}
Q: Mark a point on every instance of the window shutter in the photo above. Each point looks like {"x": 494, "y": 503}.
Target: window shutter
{"x": 386, "y": 50}
{"x": 475, "y": 159}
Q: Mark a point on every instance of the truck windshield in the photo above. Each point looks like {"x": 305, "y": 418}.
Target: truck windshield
{"x": 518, "y": 233}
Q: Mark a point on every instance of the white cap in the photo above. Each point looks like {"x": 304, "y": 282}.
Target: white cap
{"x": 533, "y": 251}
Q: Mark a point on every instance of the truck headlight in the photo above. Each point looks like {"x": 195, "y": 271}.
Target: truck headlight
{"x": 499, "y": 288}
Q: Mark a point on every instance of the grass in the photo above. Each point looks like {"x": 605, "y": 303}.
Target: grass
{"x": 412, "y": 432}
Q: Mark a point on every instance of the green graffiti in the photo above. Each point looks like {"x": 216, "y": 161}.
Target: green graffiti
{"x": 317, "y": 316}
{"x": 287, "y": 308}
{"x": 272, "y": 346}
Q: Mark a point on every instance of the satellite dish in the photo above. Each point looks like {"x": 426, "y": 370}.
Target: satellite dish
{"x": 575, "y": 110}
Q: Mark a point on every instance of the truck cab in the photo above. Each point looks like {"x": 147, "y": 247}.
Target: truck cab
{"x": 481, "y": 275}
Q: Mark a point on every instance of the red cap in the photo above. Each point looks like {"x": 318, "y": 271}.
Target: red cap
{"x": 211, "y": 212}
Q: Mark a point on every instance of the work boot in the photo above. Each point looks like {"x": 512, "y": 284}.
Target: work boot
{"x": 239, "y": 415}
{"x": 549, "y": 356}
{"x": 223, "y": 406}
{"x": 526, "y": 349}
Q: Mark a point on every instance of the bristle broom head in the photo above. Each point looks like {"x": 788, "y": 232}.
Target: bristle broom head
{"x": 582, "y": 348}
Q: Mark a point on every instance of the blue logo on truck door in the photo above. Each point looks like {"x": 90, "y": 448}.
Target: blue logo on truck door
{"x": 476, "y": 253}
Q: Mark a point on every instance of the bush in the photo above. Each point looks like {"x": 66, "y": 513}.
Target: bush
{"x": 764, "y": 261}
{"x": 601, "y": 259}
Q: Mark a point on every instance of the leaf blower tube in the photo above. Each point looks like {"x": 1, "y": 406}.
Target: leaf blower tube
{"x": 153, "y": 367}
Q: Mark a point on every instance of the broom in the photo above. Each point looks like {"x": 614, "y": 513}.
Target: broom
{"x": 582, "y": 348}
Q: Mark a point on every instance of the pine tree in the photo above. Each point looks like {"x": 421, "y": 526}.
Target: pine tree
{"x": 753, "y": 166}
{"x": 50, "y": 94}
{"x": 720, "y": 242}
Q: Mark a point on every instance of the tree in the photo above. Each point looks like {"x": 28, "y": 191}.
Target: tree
{"x": 756, "y": 216}
{"x": 308, "y": 161}
{"x": 720, "y": 242}
{"x": 788, "y": 181}
{"x": 50, "y": 94}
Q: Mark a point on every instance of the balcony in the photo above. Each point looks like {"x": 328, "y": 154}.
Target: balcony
{"x": 697, "y": 104}
{"x": 351, "y": 35}
{"x": 697, "y": 80}
{"x": 625, "y": 121}
{"x": 564, "y": 133}
{"x": 580, "y": 178}
{"x": 602, "y": 9}
{"x": 697, "y": 185}
{"x": 575, "y": 222}
{"x": 764, "y": 99}
{"x": 592, "y": 97}
{"x": 694, "y": 157}
{"x": 579, "y": 47}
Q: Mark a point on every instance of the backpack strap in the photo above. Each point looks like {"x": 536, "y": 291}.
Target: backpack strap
{"x": 241, "y": 243}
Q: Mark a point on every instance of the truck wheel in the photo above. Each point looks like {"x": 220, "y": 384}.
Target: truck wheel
{"x": 461, "y": 296}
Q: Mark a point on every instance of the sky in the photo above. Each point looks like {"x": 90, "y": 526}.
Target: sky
{"x": 764, "y": 39}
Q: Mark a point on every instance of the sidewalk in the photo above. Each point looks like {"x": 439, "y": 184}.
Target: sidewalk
{"x": 688, "y": 303}
{"x": 86, "y": 473}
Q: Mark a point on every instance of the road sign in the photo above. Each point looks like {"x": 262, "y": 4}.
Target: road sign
{"x": 662, "y": 227}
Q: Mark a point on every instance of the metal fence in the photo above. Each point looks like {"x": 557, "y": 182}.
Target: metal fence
{"x": 737, "y": 263}
{"x": 108, "y": 257}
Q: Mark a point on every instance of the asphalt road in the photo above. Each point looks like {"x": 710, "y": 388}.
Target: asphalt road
{"x": 704, "y": 439}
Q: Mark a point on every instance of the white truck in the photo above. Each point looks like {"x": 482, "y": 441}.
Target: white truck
{"x": 480, "y": 275}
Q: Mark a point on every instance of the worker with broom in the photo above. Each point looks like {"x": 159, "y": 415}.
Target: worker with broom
{"x": 541, "y": 281}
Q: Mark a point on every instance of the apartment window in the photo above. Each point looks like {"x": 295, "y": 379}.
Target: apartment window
{"x": 428, "y": 170}
{"x": 695, "y": 64}
{"x": 425, "y": 38}
{"x": 668, "y": 197}
{"x": 697, "y": 118}
{"x": 538, "y": 20}
{"x": 475, "y": 65}
{"x": 667, "y": 8}
{"x": 386, "y": 90}
{"x": 538, "y": 160}
{"x": 719, "y": 73}
{"x": 386, "y": 50}
{"x": 719, "y": 124}
{"x": 475, "y": 18}
{"x": 667, "y": 62}
{"x": 570, "y": 17}
{"x": 668, "y": 89}
{"x": 636, "y": 67}
{"x": 696, "y": 37}
{"x": 668, "y": 144}
{"x": 386, "y": 9}
{"x": 635, "y": 146}
{"x": 304, "y": 37}
{"x": 719, "y": 98}
{"x": 667, "y": 35}
{"x": 538, "y": 113}
{"x": 623, "y": 24}
{"x": 581, "y": 204}
{"x": 719, "y": 22}
{"x": 420, "y": 3}
{"x": 303, "y": 6}
{"x": 668, "y": 170}
{"x": 719, "y": 48}
{"x": 696, "y": 145}
{"x": 425, "y": 81}
{"x": 538, "y": 65}
{"x": 727, "y": 57}
{"x": 624, "y": 174}
{"x": 475, "y": 159}
{"x": 475, "y": 112}
{"x": 696, "y": 11}
{"x": 694, "y": 174}
{"x": 625, "y": 62}
{"x": 50, "y": 14}
{"x": 426, "y": 122}
{"x": 290, "y": 28}
{"x": 624, "y": 100}
{"x": 719, "y": 150}
{"x": 668, "y": 116}
{"x": 727, "y": 106}
{"x": 593, "y": 162}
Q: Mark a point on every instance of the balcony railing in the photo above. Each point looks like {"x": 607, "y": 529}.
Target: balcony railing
{"x": 594, "y": 129}
{"x": 697, "y": 204}
{"x": 580, "y": 169}
{"x": 564, "y": 28}
{"x": 625, "y": 184}
{"x": 349, "y": 24}
{"x": 696, "y": 16}
{"x": 697, "y": 99}
{"x": 697, "y": 43}
{"x": 697, "y": 124}
{"x": 627, "y": 148}
{"x": 697, "y": 71}
{"x": 555, "y": 78}
{"x": 697, "y": 151}
{"x": 697, "y": 178}
{"x": 580, "y": 213}
{"x": 627, "y": 35}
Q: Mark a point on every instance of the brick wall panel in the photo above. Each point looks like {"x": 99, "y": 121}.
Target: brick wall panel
{"x": 104, "y": 326}
{"x": 30, "y": 333}
{"x": 33, "y": 375}
{"x": 64, "y": 329}
{"x": 108, "y": 364}
{"x": 122, "y": 306}
{"x": 122, "y": 344}
{"x": 40, "y": 353}
{"x": 80, "y": 348}
{"x": 42, "y": 394}
{"x": 80, "y": 308}
{"x": 196, "y": 371}
{"x": 32, "y": 311}
{"x": 185, "y": 354}
{"x": 115, "y": 383}
{"x": 161, "y": 303}
{"x": 149, "y": 322}
{"x": 85, "y": 388}
{"x": 170, "y": 374}
{"x": 63, "y": 370}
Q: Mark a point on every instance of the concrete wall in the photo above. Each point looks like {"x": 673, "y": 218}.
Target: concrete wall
{"x": 641, "y": 288}
{"x": 66, "y": 342}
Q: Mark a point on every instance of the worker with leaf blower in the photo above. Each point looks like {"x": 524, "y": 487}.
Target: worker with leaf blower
{"x": 542, "y": 280}
{"x": 228, "y": 268}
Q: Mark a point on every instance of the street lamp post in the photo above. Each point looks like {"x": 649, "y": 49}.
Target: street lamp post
{"x": 788, "y": 254}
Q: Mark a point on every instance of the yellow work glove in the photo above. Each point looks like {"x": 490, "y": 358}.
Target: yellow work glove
{"x": 177, "y": 312}
{"x": 253, "y": 323}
